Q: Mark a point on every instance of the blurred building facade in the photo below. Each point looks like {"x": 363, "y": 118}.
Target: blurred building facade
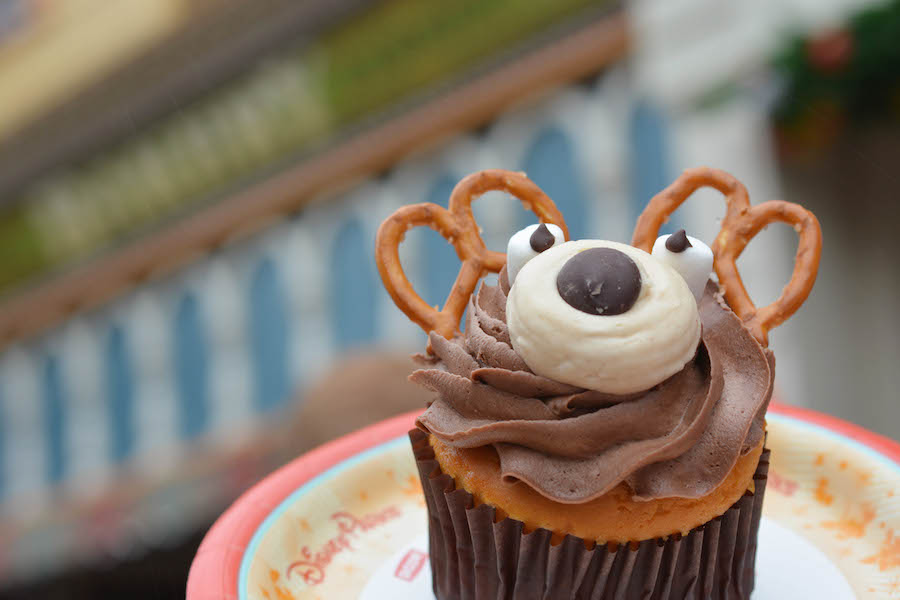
{"x": 135, "y": 407}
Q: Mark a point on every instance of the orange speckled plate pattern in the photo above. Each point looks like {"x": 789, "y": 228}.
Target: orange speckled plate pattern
{"x": 840, "y": 494}
{"x": 348, "y": 520}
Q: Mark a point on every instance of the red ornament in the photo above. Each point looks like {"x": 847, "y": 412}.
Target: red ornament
{"x": 830, "y": 52}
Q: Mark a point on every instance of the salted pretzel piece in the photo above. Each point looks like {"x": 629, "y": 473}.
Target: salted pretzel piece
{"x": 741, "y": 224}
{"x": 457, "y": 225}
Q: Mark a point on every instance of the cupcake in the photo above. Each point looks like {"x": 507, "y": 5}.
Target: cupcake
{"x": 598, "y": 425}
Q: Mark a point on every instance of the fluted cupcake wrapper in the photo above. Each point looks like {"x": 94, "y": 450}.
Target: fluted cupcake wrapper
{"x": 474, "y": 557}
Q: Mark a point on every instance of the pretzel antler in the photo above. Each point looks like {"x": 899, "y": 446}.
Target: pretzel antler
{"x": 741, "y": 224}
{"x": 457, "y": 225}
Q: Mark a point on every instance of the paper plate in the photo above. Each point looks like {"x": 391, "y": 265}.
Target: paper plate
{"x": 348, "y": 520}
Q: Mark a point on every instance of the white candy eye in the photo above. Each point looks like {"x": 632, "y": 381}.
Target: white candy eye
{"x": 528, "y": 243}
{"x": 689, "y": 256}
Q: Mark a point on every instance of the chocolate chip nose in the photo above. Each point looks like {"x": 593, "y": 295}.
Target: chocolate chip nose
{"x": 600, "y": 281}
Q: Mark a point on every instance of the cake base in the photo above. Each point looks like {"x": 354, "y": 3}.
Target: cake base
{"x": 614, "y": 517}
{"x": 475, "y": 555}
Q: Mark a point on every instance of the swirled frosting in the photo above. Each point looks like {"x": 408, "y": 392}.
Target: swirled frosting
{"x": 680, "y": 438}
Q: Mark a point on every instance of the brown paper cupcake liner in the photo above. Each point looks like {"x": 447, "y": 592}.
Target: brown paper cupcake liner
{"x": 474, "y": 557}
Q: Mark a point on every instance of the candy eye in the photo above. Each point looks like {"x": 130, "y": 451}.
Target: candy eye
{"x": 689, "y": 256}
{"x": 600, "y": 281}
{"x": 528, "y": 243}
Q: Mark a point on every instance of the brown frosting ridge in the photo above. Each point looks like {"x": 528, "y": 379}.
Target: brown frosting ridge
{"x": 678, "y": 439}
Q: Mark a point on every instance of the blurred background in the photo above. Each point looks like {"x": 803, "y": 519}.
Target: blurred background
{"x": 189, "y": 193}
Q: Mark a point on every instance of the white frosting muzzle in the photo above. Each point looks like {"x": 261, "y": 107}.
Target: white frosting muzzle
{"x": 616, "y": 354}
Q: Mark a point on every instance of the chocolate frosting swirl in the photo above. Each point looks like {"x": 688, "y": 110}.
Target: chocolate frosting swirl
{"x": 678, "y": 439}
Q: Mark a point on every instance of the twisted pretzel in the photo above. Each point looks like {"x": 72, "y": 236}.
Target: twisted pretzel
{"x": 741, "y": 224}
{"x": 457, "y": 225}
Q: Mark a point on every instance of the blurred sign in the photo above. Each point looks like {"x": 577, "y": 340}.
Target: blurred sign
{"x": 49, "y": 50}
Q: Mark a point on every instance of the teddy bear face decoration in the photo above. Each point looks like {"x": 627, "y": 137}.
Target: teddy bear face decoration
{"x": 602, "y": 315}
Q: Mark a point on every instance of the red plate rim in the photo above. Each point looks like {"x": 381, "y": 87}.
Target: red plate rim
{"x": 881, "y": 444}
{"x": 214, "y": 572}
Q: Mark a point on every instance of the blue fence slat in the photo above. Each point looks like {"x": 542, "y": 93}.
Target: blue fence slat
{"x": 551, "y": 163}
{"x": 648, "y": 154}
{"x": 120, "y": 395}
{"x": 353, "y": 286}
{"x": 269, "y": 337}
{"x": 191, "y": 368}
{"x": 54, "y": 419}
